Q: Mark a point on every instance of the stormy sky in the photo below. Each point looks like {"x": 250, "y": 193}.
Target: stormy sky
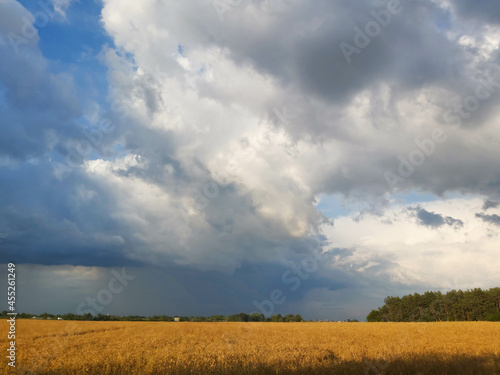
{"x": 217, "y": 156}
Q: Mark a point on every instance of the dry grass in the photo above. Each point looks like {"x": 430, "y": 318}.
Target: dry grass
{"x": 63, "y": 347}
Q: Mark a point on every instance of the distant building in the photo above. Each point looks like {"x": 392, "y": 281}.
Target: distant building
{"x": 59, "y": 318}
{"x": 176, "y": 319}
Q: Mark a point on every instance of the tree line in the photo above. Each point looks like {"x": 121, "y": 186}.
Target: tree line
{"x": 455, "y": 305}
{"x": 241, "y": 317}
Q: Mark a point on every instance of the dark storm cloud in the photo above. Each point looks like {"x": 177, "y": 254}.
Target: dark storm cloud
{"x": 492, "y": 219}
{"x": 486, "y": 10}
{"x": 433, "y": 220}
{"x": 46, "y": 223}
{"x": 490, "y": 204}
{"x": 410, "y": 49}
{"x": 40, "y": 106}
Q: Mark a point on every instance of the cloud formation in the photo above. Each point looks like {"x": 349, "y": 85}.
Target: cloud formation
{"x": 490, "y": 204}
{"x": 214, "y": 145}
{"x": 492, "y": 219}
{"x": 433, "y": 220}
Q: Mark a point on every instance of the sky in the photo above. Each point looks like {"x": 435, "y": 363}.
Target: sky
{"x": 276, "y": 156}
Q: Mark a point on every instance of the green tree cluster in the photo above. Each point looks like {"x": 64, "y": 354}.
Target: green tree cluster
{"x": 455, "y": 305}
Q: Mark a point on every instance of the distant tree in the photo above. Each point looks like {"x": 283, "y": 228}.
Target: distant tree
{"x": 256, "y": 317}
{"x": 244, "y": 317}
{"x": 87, "y": 316}
{"x": 493, "y": 317}
{"x": 217, "y": 318}
{"x": 277, "y": 318}
{"x": 374, "y": 316}
{"x": 293, "y": 318}
{"x": 290, "y": 318}
{"x": 241, "y": 317}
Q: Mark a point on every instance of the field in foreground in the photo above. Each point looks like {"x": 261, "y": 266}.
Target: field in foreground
{"x": 64, "y": 347}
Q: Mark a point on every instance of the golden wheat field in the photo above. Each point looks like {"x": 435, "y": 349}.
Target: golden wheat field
{"x": 65, "y": 347}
